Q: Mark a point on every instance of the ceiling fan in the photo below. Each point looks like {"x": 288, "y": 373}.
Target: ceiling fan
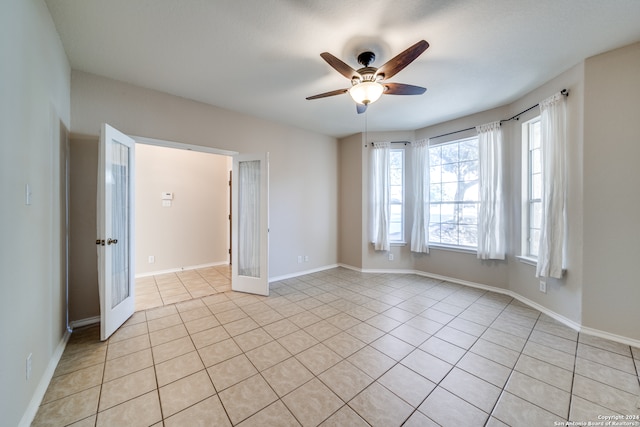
{"x": 367, "y": 83}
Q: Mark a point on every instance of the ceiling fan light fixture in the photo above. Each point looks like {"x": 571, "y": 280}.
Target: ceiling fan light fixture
{"x": 366, "y": 92}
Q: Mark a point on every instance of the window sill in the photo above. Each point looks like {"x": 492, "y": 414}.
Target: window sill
{"x": 527, "y": 260}
{"x": 460, "y": 249}
{"x": 398, "y": 243}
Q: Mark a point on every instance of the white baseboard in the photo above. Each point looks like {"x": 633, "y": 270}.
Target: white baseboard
{"x": 177, "y": 270}
{"x": 560, "y": 318}
{"x": 302, "y": 273}
{"x": 41, "y": 389}
{"x": 612, "y": 337}
{"x": 84, "y": 322}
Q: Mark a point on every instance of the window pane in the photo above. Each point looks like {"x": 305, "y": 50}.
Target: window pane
{"x": 469, "y": 213}
{"x": 469, "y": 150}
{"x": 534, "y": 135}
{"x": 435, "y": 192}
{"x": 532, "y": 174}
{"x": 435, "y": 174}
{"x": 536, "y": 161}
{"x": 434, "y": 213}
{"x": 449, "y": 234}
{"x": 396, "y": 195}
{"x": 535, "y": 215}
{"x": 468, "y": 235}
{"x": 455, "y": 194}
{"x": 447, "y": 212}
{"x": 435, "y": 158}
{"x": 449, "y": 191}
{"x": 536, "y": 186}
{"x": 434, "y": 232}
{"x": 471, "y": 191}
{"x": 450, "y": 172}
{"x": 468, "y": 171}
{"x": 534, "y": 243}
{"x": 449, "y": 153}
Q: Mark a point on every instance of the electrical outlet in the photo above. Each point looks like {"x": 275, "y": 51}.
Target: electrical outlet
{"x": 299, "y": 259}
{"x": 29, "y": 366}
{"x": 543, "y": 286}
{"x": 390, "y": 256}
{"x": 152, "y": 259}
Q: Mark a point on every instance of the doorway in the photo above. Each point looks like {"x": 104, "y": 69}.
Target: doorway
{"x": 182, "y": 222}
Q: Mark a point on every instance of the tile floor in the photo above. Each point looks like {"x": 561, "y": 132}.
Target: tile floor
{"x": 164, "y": 289}
{"x": 341, "y": 348}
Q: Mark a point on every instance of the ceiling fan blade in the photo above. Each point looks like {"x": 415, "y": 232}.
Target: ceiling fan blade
{"x": 361, "y": 108}
{"x": 402, "y": 89}
{"x": 398, "y": 62}
{"x": 326, "y": 94}
{"x": 339, "y": 66}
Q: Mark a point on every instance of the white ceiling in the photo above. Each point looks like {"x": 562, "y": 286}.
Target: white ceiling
{"x": 262, "y": 57}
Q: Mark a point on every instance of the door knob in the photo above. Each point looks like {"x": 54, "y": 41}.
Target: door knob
{"x": 112, "y": 241}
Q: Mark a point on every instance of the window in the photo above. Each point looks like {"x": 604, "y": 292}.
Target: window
{"x": 396, "y": 195}
{"x": 531, "y": 187}
{"x": 454, "y": 194}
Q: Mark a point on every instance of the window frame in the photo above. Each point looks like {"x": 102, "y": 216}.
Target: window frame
{"x": 528, "y": 198}
{"x": 452, "y": 246}
{"x": 401, "y": 240}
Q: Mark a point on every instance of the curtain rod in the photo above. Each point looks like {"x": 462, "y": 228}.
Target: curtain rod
{"x": 564, "y": 92}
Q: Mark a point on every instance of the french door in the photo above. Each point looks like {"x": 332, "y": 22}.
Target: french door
{"x": 250, "y": 224}
{"x": 116, "y": 269}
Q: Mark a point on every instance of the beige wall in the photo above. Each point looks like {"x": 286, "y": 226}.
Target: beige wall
{"x": 303, "y": 205}
{"x": 83, "y": 261}
{"x": 350, "y": 220}
{"x": 34, "y": 112}
{"x": 194, "y": 230}
{"x": 611, "y": 192}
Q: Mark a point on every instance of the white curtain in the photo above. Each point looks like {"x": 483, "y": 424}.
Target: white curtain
{"x": 551, "y": 254}
{"x": 420, "y": 229}
{"x": 379, "y": 196}
{"x": 491, "y": 220}
{"x": 249, "y": 218}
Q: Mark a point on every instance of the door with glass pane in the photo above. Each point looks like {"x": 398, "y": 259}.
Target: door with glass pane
{"x": 250, "y": 224}
{"x": 115, "y": 229}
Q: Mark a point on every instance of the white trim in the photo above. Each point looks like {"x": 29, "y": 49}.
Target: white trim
{"x": 177, "y": 270}
{"x": 41, "y": 389}
{"x": 560, "y": 318}
{"x": 84, "y": 322}
{"x": 527, "y": 260}
{"x": 609, "y": 336}
{"x": 451, "y": 248}
{"x": 181, "y": 146}
{"x": 302, "y": 273}
{"x": 465, "y": 283}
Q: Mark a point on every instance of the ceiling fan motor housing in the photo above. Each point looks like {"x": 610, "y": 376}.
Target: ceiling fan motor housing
{"x": 366, "y": 58}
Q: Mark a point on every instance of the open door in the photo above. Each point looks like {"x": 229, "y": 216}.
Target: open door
{"x": 116, "y": 253}
{"x": 250, "y": 224}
